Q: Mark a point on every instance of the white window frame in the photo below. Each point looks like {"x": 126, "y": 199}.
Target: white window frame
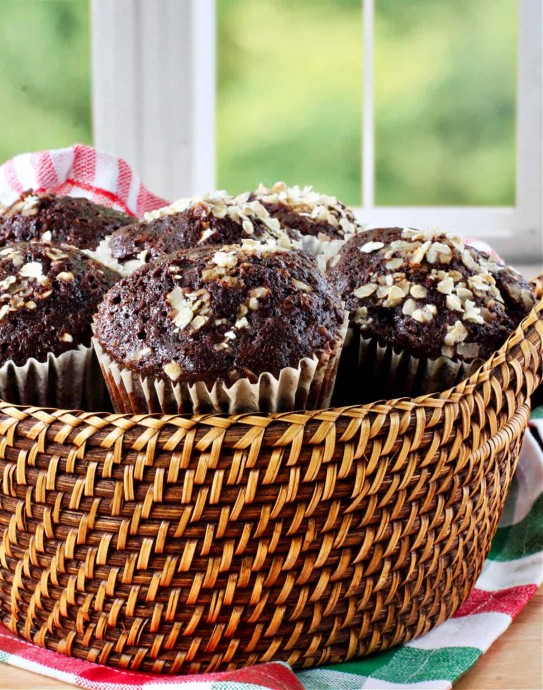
{"x": 154, "y": 84}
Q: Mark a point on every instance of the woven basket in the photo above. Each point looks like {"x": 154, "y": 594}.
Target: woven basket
{"x": 173, "y": 544}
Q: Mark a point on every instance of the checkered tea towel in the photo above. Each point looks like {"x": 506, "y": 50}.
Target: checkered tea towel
{"x": 78, "y": 171}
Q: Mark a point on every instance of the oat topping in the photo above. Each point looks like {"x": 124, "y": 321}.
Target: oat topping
{"x": 143, "y": 352}
{"x": 221, "y": 205}
{"x": 409, "y": 307}
{"x": 260, "y": 292}
{"x": 26, "y": 206}
{"x": 394, "y": 296}
{"x": 173, "y": 370}
{"x": 426, "y": 314}
{"x": 445, "y": 286}
{"x": 456, "y": 333}
{"x": 420, "y": 251}
{"x": 13, "y": 255}
{"x": 454, "y": 303}
{"x": 394, "y": 264}
{"x": 225, "y": 259}
{"x": 418, "y": 291}
{"x": 9, "y": 280}
{"x": 56, "y": 254}
{"x": 189, "y": 308}
{"x": 361, "y": 316}
{"x": 371, "y": 247}
{"x": 242, "y": 323}
{"x": 33, "y": 269}
{"x": 248, "y": 227}
{"x": 206, "y": 234}
{"x": 301, "y": 285}
{"x": 65, "y": 276}
{"x": 472, "y": 313}
{"x": 365, "y": 290}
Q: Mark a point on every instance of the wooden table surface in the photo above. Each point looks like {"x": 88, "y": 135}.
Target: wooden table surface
{"x": 514, "y": 662}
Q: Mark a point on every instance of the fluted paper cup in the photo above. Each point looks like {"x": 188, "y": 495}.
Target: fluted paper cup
{"x": 370, "y": 371}
{"x": 308, "y": 386}
{"x": 71, "y": 380}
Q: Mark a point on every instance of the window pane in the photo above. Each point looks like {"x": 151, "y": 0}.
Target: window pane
{"x": 445, "y": 81}
{"x": 45, "y": 67}
{"x": 289, "y": 94}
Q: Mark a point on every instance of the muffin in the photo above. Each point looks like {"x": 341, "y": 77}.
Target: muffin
{"x": 223, "y": 329}
{"x": 217, "y": 219}
{"x": 48, "y": 295}
{"x": 425, "y": 309}
{"x": 62, "y": 219}
{"x": 323, "y": 222}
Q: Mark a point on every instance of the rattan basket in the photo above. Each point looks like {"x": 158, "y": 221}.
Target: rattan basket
{"x": 173, "y": 544}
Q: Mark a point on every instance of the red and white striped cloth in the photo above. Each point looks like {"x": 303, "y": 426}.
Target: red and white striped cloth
{"x": 78, "y": 171}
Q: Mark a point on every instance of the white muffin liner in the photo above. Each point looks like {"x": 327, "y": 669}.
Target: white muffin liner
{"x": 72, "y": 381}
{"x": 309, "y": 386}
{"x": 370, "y": 371}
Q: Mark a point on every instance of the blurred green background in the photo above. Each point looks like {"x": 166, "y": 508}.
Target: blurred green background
{"x": 289, "y": 102}
{"x": 45, "y": 68}
{"x": 290, "y": 98}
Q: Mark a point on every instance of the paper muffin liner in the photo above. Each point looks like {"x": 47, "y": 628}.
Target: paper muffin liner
{"x": 309, "y": 386}
{"x": 370, "y": 371}
{"x": 71, "y": 380}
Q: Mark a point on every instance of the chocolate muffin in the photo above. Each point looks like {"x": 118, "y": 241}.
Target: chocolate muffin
{"x": 425, "y": 308}
{"x": 323, "y": 221}
{"x": 216, "y": 219}
{"x": 234, "y": 328}
{"x": 63, "y": 219}
{"x": 48, "y": 295}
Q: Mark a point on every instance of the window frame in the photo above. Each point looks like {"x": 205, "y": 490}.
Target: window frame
{"x": 153, "y": 90}
{"x": 154, "y": 95}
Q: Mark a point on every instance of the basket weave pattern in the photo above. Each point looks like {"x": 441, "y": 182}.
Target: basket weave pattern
{"x": 174, "y": 544}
